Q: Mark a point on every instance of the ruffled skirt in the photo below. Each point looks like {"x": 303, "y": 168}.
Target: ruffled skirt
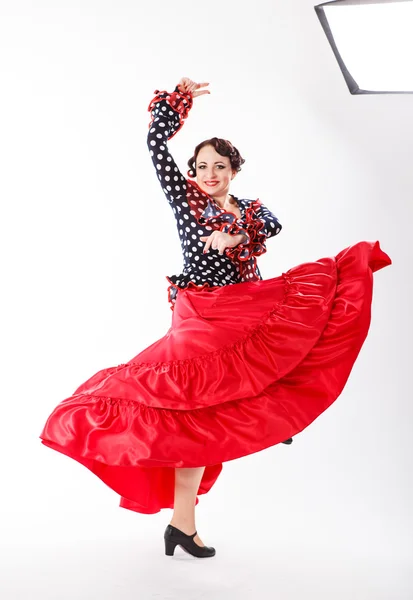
{"x": 243, "y": 367}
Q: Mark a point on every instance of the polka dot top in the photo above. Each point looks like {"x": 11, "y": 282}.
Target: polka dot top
{"x": 197, "y": 214}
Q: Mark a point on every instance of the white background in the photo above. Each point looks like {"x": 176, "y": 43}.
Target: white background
{"x": 87, "y": 238}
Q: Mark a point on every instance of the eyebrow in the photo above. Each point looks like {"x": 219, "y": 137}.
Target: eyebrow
{"x": 215, "y": 163}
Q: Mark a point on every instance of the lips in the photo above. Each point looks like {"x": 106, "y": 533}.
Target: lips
{"x": 211, "y": 183}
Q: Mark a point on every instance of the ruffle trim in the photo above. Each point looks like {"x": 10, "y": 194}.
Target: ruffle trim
{"x": 173, "y": 289}
{"x": 180, "y": 102}
{"x": 243, "y": 254}
{"x": 155, "y": 383}
{"x": 154, "y": 436}
{"x": 263, "y": 326}
{"x": 252, "y": 227}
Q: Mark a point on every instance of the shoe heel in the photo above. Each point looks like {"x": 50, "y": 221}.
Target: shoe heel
{"x": 170, "y": 547}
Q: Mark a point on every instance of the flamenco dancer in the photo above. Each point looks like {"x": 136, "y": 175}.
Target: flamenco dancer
{"x": 246, "y": 364}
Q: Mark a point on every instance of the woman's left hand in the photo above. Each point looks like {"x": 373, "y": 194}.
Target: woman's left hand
{"x": 220, "y": 240}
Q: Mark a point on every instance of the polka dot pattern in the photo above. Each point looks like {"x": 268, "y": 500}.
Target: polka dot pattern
{"x": 199, "y": 269}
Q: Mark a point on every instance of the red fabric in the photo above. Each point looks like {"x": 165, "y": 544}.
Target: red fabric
{"x": 190, "y": 284}
{"x": 242, "y": 367}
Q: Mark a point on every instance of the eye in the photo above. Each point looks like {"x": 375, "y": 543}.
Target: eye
{"x": 203, "y": 167}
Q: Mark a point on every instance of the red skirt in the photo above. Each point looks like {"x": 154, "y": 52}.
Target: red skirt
{"x": 242, "y": 367}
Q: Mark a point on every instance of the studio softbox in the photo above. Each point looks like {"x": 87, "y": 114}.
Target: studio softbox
{"x": 372, "y": 41}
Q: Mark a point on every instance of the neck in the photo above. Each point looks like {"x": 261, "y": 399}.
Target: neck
{"x": 222, "y": 200}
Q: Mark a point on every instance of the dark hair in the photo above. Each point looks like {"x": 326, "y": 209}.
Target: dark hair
{"x": 224, "y": 148}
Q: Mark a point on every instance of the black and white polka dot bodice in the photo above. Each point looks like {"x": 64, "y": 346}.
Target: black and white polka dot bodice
{"x": 197, "y": 214}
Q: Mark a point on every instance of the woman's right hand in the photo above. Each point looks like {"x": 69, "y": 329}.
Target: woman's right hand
{"x": 187, "y": 85}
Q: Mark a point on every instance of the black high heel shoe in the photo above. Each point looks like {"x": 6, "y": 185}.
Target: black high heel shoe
{"x": 175, "y": 537}
{"x": 289, "y": 441}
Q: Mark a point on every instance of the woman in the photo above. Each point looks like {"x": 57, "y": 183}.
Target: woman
{"x": 243, "y": 367}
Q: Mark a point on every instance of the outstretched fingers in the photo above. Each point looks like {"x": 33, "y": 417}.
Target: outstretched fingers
{"x": 193, "y": 88}
{"x": 200, "y": 92}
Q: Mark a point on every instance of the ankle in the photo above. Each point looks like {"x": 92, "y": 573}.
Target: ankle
{"x": 187, "y": 527}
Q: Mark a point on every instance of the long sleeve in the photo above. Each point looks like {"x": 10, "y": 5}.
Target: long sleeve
{"x": 196, "y": 213}
{"x": 258, "y": 225}
{"x": 168, "y": 112}
{"x": 272, "y": 226}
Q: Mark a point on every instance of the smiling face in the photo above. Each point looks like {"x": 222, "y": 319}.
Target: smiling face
{"x": 213, "y": 172}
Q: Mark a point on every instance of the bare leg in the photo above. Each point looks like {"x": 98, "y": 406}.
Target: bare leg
{"x": 187, "y": 482}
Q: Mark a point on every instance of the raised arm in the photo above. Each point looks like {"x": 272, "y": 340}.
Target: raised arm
{"x": 168, "y": 112}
